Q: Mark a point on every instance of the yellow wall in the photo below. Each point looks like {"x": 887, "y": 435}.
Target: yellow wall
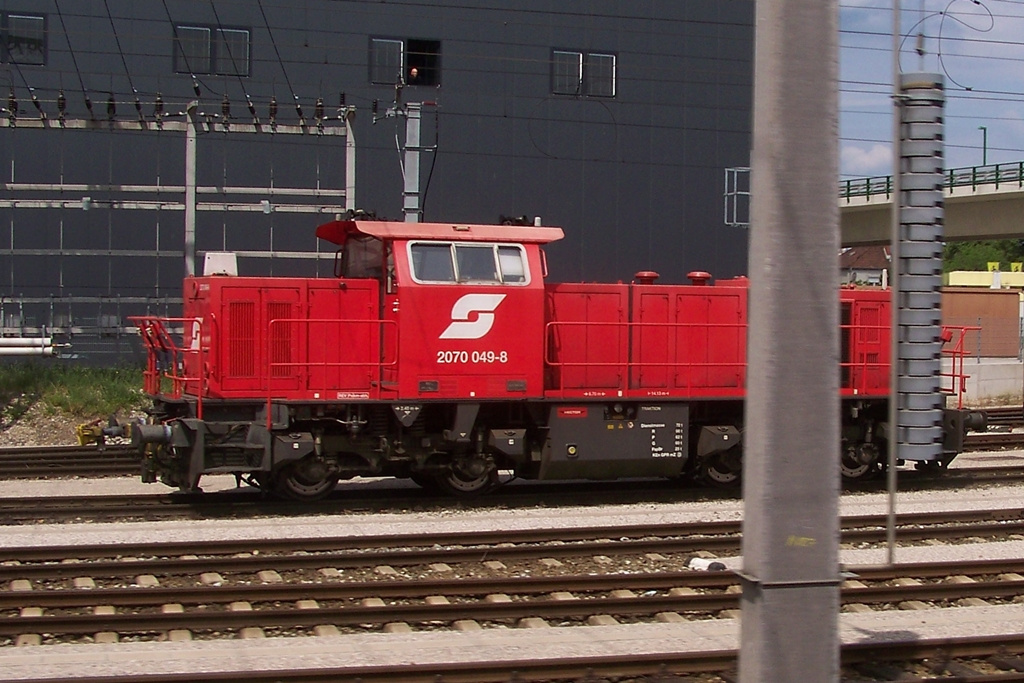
{"x": 983, "y": 278}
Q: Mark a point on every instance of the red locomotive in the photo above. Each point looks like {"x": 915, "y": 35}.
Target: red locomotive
{"x": 437, "y": 352}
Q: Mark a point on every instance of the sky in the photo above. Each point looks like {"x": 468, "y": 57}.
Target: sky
{"x": 978, "y": 48}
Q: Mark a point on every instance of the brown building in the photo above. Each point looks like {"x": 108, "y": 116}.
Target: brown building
{"x": 996, "y": 311}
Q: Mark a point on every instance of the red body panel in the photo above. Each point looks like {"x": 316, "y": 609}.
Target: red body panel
{"x": 865, "y": 342}
{"x": 314, "y": 339}
{"x": 287, "y": 337}
{"x": 398, "y": 338}
{"x": 646, "y": 340}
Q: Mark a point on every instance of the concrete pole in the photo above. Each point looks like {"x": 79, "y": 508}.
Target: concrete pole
{"x": 411, "y": 193}
{"x": 789, "y": 628}
{"x": 190, "y": 188}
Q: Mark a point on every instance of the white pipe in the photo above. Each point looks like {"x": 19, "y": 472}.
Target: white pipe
{"x": 28, "y": 351}
{"x": 26, "y": 341}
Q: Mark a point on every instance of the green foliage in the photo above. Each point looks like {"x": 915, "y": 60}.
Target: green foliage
{"x": 977, "y": 255}
{"x": 79, "y": 391}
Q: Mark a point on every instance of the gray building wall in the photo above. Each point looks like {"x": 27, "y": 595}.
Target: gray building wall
{"x": 635, "y": 180}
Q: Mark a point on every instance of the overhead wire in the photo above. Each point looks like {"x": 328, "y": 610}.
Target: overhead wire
{"x": 280, "y": 61}
{"x": 124, "y": 62}
{"x": 74, "y": 60}
{"x": 225, "y": 107}
{"x": 178, "y": 45}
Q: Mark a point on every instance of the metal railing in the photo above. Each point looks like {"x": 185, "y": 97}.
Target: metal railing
{"x": 166, "y": 357}
{"x": 972, "y": 177}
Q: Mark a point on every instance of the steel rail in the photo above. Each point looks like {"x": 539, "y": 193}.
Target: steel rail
{"x": 45, "y": 461}
{"x": 249, "y": 502}
{"x": 529, "y": 585}
{"x": 543, "y": 607}
{"x": 1005, "y": 415}
{"x": 990, "y": 440}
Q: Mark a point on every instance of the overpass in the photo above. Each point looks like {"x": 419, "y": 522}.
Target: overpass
{"x": 982, "y": 202}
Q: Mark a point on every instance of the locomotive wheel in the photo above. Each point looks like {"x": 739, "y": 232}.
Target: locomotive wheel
{"x": 472, "y": 479}
{"x": 716, "y": 471}
{"x": 305, "y": 480}
{"x": 860, "y": 463}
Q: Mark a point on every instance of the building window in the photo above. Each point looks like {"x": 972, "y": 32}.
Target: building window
{"x": 211, "y": 50}
{"x": 566, "y": 72}
{"x": 412, "y": 61}
{"x": 583, "y": 73}
{"x": 231, "y": 53}
{"x": 24, "y": 37}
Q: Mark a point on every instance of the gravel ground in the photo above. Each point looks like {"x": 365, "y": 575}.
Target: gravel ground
{"x": 41, "y": 426}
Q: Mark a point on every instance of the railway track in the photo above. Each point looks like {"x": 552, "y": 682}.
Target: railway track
{"x": 37, "y": 462}
{"x": 1012, "y": 416}
{"x": 50, "y": 563}
{"x": 245, "y": 607}
{"x": 993, "y": 441}
{"x": 248, "y": 503}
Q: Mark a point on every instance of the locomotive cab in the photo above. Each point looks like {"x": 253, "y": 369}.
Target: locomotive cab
{"x": 463, "y": 305}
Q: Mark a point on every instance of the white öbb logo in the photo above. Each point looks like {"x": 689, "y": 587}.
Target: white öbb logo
{"x": 481, "y": 304}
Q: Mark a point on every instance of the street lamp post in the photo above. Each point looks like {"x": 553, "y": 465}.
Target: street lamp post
{"x": 984, "y": 145}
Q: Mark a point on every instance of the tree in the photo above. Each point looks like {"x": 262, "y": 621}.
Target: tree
{"x": 977, "y": 255}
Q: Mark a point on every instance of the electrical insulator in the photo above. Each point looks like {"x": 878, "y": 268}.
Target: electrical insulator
{"x": 88, "y": 105}
{"x": 158, "y": 106}
{"x": 138, "y": 108}
{"x": 252, "y": 108}
{"x": 341, "y": 101}
{"x": 318, "y": 112}
{"x": 273, "y": 109}
{"x": 298, "y": 109}
{"x": 195, "y": 87}
{"x": 225, "y": 107}
{"x": 62, "y": 103}
{"x": 374, "y": 107}
{"x": 111, "y": 107}
{"x": 12, "y": 104}
{"x": 35, "y": 102}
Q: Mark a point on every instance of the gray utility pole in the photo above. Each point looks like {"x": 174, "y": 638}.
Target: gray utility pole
{"x": 789, "y": 630}
{"x": 411, "y": 206}
{"x": 190, "y": 188}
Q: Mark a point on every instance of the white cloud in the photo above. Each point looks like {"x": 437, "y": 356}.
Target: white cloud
{"x": 865, "y": 160}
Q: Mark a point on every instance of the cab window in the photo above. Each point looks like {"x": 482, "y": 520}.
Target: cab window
{"x": 468, "y": 263}
{"x": 432, "y": 263}
{"x": 362, "y": 258}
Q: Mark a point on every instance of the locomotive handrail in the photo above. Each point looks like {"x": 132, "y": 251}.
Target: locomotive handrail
{"x": 958, "y": 355}
{"x": 166, "y": 360}
{"x": 858, "y": 382}
{"x": 271, "y": 363}
{"x": 626, "y": 365}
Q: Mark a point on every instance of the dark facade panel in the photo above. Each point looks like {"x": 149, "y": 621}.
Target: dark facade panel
{"x": 634, "y": 175}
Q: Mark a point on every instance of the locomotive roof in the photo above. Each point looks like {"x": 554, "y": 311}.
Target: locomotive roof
{"x": 339, "y": 231}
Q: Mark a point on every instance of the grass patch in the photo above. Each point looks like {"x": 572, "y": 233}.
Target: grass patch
{"x": 79, "y": 391}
